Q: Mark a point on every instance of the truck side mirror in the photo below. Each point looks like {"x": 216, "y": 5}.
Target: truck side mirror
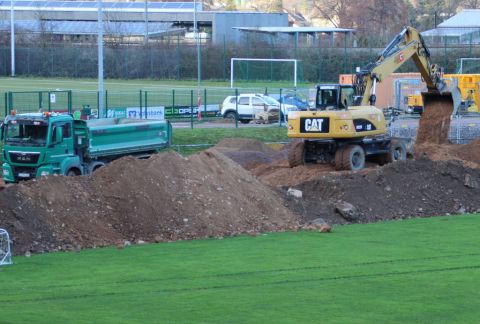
{"x": 58, "y": 134}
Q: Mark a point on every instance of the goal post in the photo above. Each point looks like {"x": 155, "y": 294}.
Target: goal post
{"x": 5, "y": 252}
{"x": 238, "y": 59}
{"x": 468, "y": 65}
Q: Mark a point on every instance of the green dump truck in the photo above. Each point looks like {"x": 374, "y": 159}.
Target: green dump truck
{"x": 36, "y": 145}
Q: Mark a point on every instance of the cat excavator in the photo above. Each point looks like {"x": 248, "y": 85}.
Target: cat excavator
{"x": 346, "y": 127}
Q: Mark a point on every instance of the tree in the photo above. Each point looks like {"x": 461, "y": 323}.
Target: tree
{"x": 269, "y": 5}
{"x": 370, "y": 17}
{"x": 470, "y": 4}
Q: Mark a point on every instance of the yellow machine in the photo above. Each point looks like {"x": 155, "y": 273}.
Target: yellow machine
{"x": 469, "y": 85}
{"x": 344, "y": 132}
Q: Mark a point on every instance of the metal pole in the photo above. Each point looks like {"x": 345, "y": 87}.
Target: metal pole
{"x": 295, "y": 74}
{"x": 145, "y": 39}
{"x": 100, "y": 58}
{"x": 195, "y": 31}
{"x": 231, "y": 73}
{"x": 12, "y": 37}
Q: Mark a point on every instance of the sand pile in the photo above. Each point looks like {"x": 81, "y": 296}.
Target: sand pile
{"x": 164, "y": 198}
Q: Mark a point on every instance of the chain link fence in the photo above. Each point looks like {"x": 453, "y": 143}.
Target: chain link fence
{"x": 177, "y": 104}
{"x": 320, "y": 60}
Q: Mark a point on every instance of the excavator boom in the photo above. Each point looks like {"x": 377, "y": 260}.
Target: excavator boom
{"x": 407, "y": 44}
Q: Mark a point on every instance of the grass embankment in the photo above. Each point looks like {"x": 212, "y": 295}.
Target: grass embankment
{"x": 420, "y": 270}
{"x": 214, "y": 135}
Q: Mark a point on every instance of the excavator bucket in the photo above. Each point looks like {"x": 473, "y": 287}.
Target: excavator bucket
{"x": 438, "y": 108}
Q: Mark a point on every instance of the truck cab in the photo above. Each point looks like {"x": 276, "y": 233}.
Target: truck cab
{"x": 31, "y": 140}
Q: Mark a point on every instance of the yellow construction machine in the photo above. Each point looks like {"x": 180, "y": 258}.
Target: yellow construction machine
{"x": 346, "y": 127}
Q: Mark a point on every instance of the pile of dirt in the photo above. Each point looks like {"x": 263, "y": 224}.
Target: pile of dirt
{"x": 467, "y": 153}
{"x": 250, "y": 153}
{"x": 164, "y": 198}
{"x": 279, "y": 173}
{"x": 413, "y": 188}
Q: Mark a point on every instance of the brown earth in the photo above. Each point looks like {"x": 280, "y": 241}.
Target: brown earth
{"x": 169, "y": 197}
{"x": 164, "y": 198}
{"x": 413, "y": 188}
{"x": 434, "y": 124}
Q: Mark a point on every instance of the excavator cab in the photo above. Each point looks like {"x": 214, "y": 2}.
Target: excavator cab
{"x": 334, "y": 96}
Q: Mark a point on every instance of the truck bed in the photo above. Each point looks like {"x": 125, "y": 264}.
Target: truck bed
{"x": 118, "y": 136}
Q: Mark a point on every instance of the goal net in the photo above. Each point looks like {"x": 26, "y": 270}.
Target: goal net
{"x": 5, "y": 252}
{"x": 246, "y": 70}
{"x": 468, "y": 66}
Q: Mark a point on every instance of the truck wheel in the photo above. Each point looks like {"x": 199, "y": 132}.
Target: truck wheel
{"x": 245, "y": 121}
{"x": 72, "y": 172}
{"x": 353, "y": 158}
{"x": 397, "y": 152}
{"x": 339, "y": 158}
{"x": 296, "y": 155}
{"x": 231, "y": 115}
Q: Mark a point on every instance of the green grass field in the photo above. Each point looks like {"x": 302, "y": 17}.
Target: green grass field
{"x": 414, "y": 271}
{"x": 38, "y": 84}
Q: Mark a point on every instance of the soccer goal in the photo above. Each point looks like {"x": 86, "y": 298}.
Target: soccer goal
{"x": 5, "y": 252}
{"x": 468, "y": 65}
{"x": 263, "y": 70}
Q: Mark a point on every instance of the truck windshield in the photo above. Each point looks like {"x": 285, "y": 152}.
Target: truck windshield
{"x": 26, "y": 133}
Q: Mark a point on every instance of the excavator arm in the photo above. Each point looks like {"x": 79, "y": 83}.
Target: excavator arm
{"x": 408, "y": 44}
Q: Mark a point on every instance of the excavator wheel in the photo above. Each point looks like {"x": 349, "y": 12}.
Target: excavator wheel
{"x": 339, "y": 158}
{"x": 296, "y": 155}
{"x": 397, "y": 152}
{"x": 353, "y": 158}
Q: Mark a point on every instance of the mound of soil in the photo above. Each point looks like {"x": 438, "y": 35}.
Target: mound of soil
{"x": 250, "y": 153}
{"x": 403, "y": 189}
{"x": 279, "y": 173}
{"x": 468, "y": 153}
{"x": 164, "y": 198}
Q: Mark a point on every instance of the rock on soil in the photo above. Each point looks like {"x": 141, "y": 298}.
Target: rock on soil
{"x": 164, "y": 198}
{"x": 414, "y": 188}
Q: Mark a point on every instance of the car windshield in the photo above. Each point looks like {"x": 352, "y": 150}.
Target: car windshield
{"x": 270, "y": 101}
{"x": 26, "y": 133}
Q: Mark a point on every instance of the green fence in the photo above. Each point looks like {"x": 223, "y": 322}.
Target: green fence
{"x": 176, "y": 105}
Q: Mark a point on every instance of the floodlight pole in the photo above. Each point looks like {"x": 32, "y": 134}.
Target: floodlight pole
{"x": 100, "y": 58}
{"x": 145, "y": 38}
{"x": 195, "y": 30}
{"x": 12, "y": 37}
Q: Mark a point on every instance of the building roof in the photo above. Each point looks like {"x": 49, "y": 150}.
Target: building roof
{"x": 448, "y": 32}
{"x": 293, "y": 30}
{"x": 107, "y": 6}
{"x": 90, "y": 27}
{"x": 464, "y": 19}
